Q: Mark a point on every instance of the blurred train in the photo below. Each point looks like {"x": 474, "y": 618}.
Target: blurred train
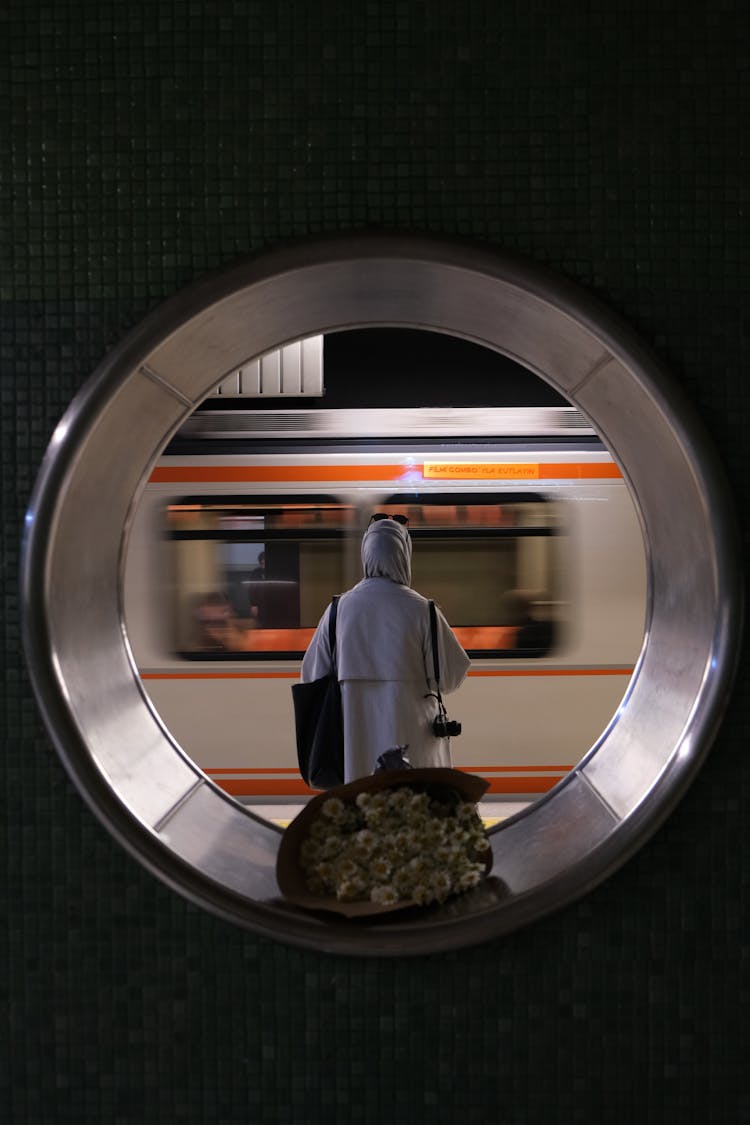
{"x": 523, "y": 531}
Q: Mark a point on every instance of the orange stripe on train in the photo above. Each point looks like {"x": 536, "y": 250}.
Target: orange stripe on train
{"x": 565, "y": 470}
{"x": 240, "y": 788}
{"x": 294, "y": 675}
{"x": 296, "y": 787}
{"x": 228, "y": 473}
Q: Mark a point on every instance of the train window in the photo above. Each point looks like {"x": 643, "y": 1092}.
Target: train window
{"x": 492, "y": 562}
{"x": 251, "y": 577}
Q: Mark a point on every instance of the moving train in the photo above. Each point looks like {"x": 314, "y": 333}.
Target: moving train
{"x": 523, "y": 530}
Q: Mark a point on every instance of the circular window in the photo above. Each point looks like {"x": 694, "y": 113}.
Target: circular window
{"x": 115, "y": 746}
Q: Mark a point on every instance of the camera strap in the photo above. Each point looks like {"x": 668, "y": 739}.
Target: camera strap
{"x": 332, "y": 631}
{"x": 436, "y": 660}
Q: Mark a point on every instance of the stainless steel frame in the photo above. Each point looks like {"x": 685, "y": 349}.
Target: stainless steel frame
{"x": 127, "y": 766}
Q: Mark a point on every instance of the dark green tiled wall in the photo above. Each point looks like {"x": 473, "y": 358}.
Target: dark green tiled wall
{"x": 144, "y": 143}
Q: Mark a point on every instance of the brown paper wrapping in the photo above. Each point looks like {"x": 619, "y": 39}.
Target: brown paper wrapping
{"x": 289, "y": 873}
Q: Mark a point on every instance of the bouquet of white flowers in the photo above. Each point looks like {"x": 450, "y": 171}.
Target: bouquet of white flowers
{"x": 399, "y": 838}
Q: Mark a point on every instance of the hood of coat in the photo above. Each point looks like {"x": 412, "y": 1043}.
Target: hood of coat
{"x": 386, "y": 552}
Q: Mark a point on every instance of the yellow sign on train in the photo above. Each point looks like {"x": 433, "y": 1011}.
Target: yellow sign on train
{"x": 452, "y": 470}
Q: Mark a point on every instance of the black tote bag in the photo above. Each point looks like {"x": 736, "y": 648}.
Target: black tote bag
{"x": 319, "y": 722}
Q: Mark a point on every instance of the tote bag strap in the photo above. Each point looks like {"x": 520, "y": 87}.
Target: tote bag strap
{"x": 332, "y": 630}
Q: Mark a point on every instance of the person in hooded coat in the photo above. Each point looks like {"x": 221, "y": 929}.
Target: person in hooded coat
{"x": 384, "y": 658}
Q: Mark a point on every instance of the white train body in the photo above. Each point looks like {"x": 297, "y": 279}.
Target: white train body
{"x": 564, "y": 526}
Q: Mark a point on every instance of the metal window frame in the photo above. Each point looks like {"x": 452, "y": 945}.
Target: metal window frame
{"x": 126, "y": 764}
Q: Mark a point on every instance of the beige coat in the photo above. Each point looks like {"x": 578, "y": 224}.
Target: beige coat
{"x": 384, "y": 658}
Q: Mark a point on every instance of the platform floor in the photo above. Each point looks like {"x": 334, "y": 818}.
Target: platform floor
{"x": 492, "y": 812}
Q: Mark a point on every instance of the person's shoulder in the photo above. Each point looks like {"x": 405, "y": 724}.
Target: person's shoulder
{"x": 411, "y": 601}
{"x": 377, "y": 587}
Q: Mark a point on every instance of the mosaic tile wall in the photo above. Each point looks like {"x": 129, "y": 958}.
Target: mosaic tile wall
{"x": 144, "y": 143}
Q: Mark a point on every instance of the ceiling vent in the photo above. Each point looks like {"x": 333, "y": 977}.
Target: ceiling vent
{"x": 294, "y": 371}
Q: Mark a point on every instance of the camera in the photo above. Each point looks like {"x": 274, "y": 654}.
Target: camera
{"x": 445, "y": 728}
